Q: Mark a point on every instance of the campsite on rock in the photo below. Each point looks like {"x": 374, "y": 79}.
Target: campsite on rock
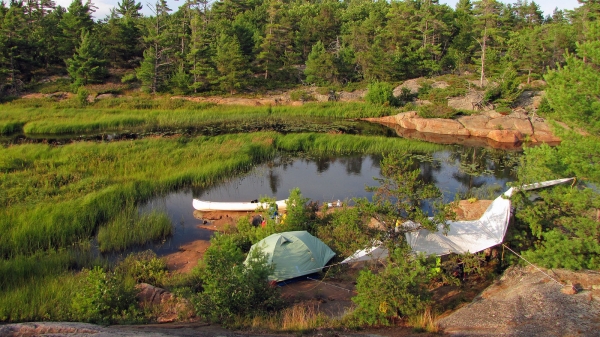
{"x": 288, "y": 168}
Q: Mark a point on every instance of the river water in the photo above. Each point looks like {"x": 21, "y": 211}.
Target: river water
{"x": 330, "y": 179}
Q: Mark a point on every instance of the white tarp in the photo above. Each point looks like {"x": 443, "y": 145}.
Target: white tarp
{"x": 463, "y": 236}
{"x": 376, "y": 253}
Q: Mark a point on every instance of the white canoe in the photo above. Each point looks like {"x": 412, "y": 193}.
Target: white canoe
{"x": 235, "y": 206}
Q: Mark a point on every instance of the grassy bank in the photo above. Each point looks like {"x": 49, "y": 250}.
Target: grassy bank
{"x": 44, "y": 116}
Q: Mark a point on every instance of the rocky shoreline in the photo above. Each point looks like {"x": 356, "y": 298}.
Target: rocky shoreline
{"x": 491, "y": 127}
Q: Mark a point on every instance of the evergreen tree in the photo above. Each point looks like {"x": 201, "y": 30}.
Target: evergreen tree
{"x": 158, "y": 56}
{"x": 574, "y": 89}
{"x": 129, "y": 9}
{"x": 320, "y": 66}
{"x": 232, "y": 67}
{"x": 490, "y": 32}
{"x": 123, "y": 35}
{"x": 88, "y": 64}
{"x": 16, "y": 51}
{"x": 199, "y": 56}
{"x": 77, "y": 19}
{"x": 276, "y": 46}
{"x": 462, "y": 46}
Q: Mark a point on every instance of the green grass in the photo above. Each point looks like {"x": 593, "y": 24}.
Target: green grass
{"x": 45, "y": 116}
{"x": 130, "y": 228}
{"x": 45, "y": 298}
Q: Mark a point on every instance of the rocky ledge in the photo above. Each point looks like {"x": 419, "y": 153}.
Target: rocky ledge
{"x": 512, "y": 130}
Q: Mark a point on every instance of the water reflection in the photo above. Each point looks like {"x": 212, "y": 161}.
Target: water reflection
{"x": 331, "y": 178}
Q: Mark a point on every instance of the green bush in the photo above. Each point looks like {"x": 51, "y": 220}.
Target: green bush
{"x": 82, "y": 96}
{"x": 301, "y": 95}
{"x": 104, "y": 297}
{"x": 144, "y": 267}
{"x": 563, "y": 228}
{"x": 380, "y": 93}
{"x": 503, "y": 110}
{"x": 545, "y": 107}
{"x": 129, "y": 77}
{"x": 399, "y": 290}
{"x": 345, "y": 231}
{"x": 233, "y": 289}
{"x": 436, "y": 111}
{"x": 438, "y": 95}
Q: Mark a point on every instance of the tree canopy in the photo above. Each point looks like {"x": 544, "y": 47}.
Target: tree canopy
{"x": 246, "y": 45}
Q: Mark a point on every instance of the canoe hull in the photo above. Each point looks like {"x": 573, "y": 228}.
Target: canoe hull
{"x": 202, "y": 205}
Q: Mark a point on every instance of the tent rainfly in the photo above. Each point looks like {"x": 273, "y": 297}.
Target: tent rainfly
{"x": 294, "y": 254}
{"x": 463, "y": 236}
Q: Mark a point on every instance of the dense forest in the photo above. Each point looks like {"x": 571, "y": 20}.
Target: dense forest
{"x": 247, "y": 45}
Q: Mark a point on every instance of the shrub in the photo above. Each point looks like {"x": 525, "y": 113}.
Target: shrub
{"x": 301, "y": 95}
{"x": 381, "y": 93}
{"x": 399, "y": 290}
{"x": 144, "y": 267}
{"x": 104, "y": 297}
{"x": 231, "y": 288}
{"x": 436, "y": 111}
{"x": 503, "y": 110}
{"x": 345, "y": 231}
{"x": 129, "y": 77}
{"x": 82, "y": 96}
{"x": 545, "y": 106}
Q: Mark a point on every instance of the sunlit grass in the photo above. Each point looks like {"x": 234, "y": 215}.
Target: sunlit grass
{"x": 44, "y": 116}
{"x": 297, "y": 318}
{"x": 130, "y": 228}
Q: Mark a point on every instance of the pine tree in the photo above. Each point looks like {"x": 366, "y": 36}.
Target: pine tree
{"x": 158, "y": 56}
{"x": 199, "y": 56}
{"x": 320, "y": 66}
{"x": 77, "y": 19}
{"x": 232, "y": 68}
{"x": 574, "y": 89}
{"x": 463, "y": 43}
{"x": 88, "y": 64}
{"x": 15, "y": 58}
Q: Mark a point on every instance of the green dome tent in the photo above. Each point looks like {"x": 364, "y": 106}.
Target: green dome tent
{"x": 294, "y": 254}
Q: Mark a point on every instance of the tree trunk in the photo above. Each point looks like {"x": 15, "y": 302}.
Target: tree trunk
{"x": 483, "y": 57}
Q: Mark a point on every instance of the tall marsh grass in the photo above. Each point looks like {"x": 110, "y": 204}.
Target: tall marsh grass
{"x": 43, "y": 116}
{"x": 41, "y": 299}
{"x": 130, "y": 228}
{"x": 297, "y": 318}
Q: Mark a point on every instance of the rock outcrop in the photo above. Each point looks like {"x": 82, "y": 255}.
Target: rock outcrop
{"x": 510, "y": 129}
{"x": 171, "y": 308}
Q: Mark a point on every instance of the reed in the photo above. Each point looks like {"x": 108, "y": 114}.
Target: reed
{"x": 297, "y": 318}
{"x": 40, "y": 299}
{"x": 425, "y": 322}
{"x": 45, "y": 116}
{"x": 130, "y": 228}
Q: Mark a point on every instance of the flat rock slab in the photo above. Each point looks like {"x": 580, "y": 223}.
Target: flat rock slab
{"x": 500, "y": 129}
{"x": 525, "y": 302}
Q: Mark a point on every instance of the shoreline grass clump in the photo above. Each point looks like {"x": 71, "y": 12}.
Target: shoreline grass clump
{"x": 130, "y": 228}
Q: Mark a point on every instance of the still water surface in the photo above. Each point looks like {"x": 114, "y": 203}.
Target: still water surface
{"x": 327, "y": 179}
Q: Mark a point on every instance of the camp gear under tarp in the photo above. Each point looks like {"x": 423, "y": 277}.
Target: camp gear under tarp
{"x": 293, "y": 254}
{"x": 463, "y": 236}
{"x": 377, "y": 252}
